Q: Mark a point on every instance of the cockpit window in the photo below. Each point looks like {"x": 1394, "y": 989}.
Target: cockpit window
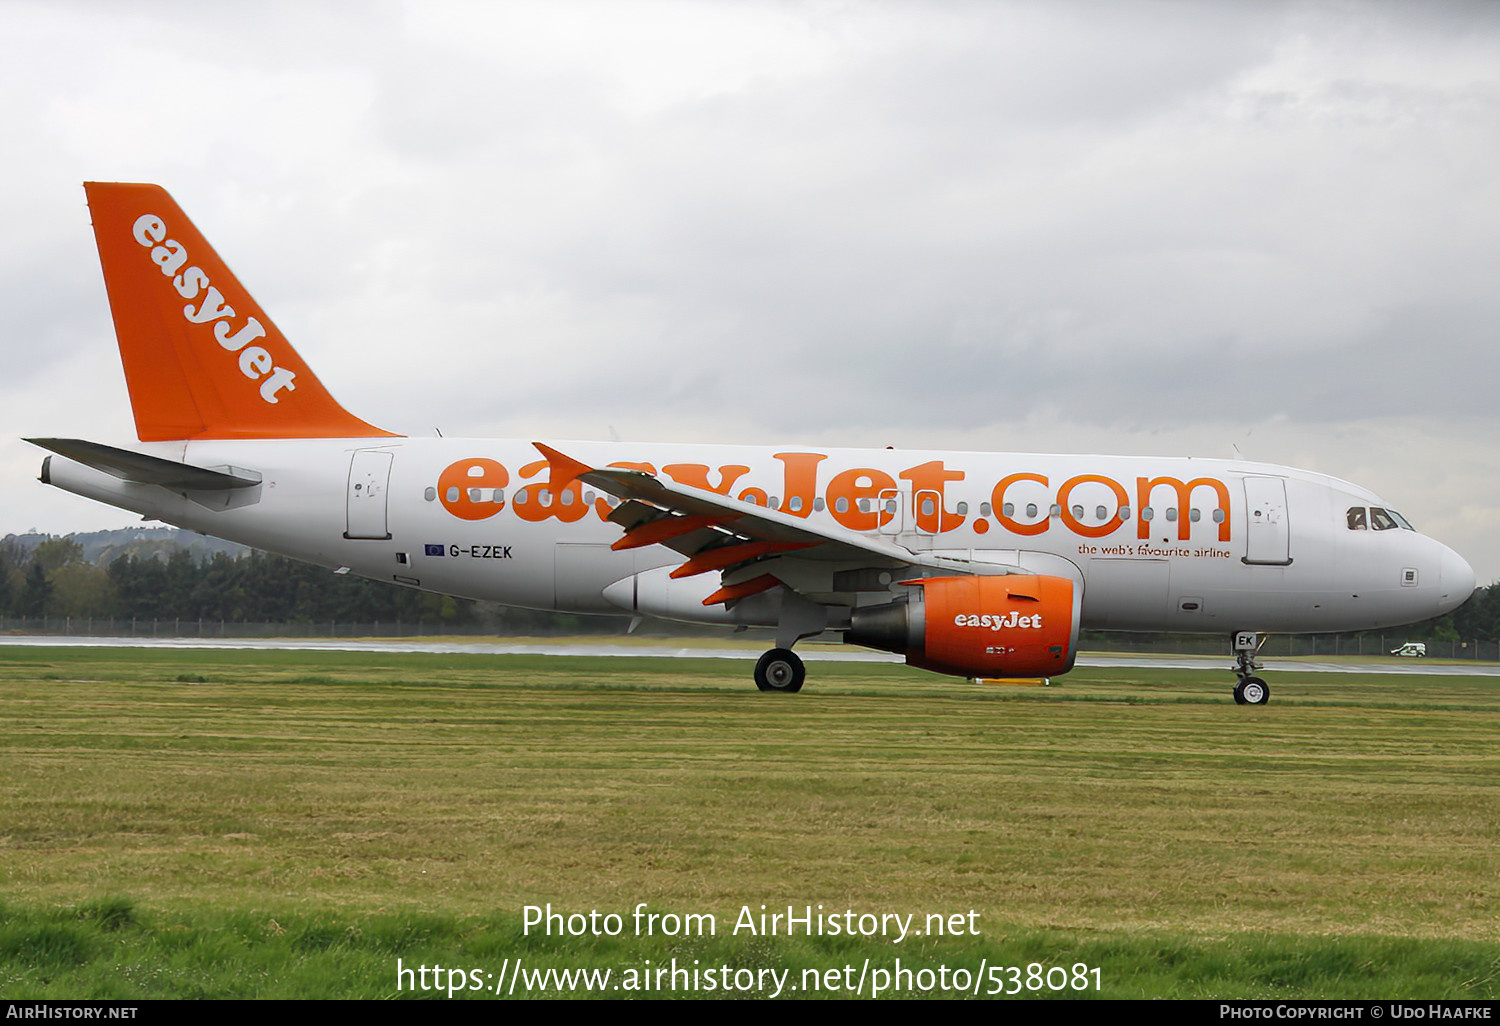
{"x": 1361, "y": 519}
{"x": 1405, "y": 524}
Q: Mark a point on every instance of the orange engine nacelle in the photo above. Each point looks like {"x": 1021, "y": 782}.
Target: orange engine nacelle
{"x": 1017, "y": 625}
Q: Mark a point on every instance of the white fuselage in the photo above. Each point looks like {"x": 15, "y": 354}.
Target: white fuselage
{"x": 1157, "y": 543}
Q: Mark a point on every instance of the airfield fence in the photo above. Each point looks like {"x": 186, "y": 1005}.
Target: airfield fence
{"x": 148, "y": 627}
{"x": 1290, "y": 645}
{"x": 1284, "y": 645}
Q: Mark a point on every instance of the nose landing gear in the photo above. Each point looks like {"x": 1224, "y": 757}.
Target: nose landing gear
{"x": 1250, "y": 690}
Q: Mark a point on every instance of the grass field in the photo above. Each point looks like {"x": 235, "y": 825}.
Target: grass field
{"x": 191, "y": 823}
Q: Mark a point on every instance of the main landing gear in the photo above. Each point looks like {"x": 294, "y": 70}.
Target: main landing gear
{"x": 1250, "y": 690}
{"x": 780, "y": 669}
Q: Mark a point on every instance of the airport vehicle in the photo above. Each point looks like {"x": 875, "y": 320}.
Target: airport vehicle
{"x": 973, "y": 564}
{"x": 1412, "y": 650}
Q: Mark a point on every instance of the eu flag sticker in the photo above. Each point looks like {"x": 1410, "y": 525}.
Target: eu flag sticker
{"x": 432, "y": 550}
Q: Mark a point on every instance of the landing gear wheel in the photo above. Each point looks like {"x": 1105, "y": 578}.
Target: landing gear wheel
{"x": 780, "y": 669}
{"x": 1252, "y": 691}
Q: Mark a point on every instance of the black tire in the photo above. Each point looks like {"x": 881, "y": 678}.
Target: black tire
{"x": 780, "y": 669}
{"x": 1252, "y": 691}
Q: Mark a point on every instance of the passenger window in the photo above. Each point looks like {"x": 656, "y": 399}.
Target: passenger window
{"x": 430, "y": 493}
{"x": 1218, "y": 516}
{"x": 1356, "y": 518}
{"x": 984, "y": 509}
{"x": 841, "y": 504}
{"x": 963, "y": 509}
{"x": 1101, "y": 512}
{"x": 1077, "y": 512}
{"x": 927, "y": 508}
{"x": 1031, "y": 509}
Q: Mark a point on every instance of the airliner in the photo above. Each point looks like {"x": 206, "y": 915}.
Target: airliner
{"x": 980, "y": 565}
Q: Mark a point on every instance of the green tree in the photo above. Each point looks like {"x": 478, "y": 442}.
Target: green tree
{"x": 12, "y": 577}
{"x": 33, "y": 600}
{"x": 81, "y": 590}
{"x": 55, "y": 553}
{"x": 139, "y": 586}
{"x": 181, "y": 575}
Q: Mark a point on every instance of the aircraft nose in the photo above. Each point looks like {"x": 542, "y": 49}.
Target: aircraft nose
{"x": 1456, "y": 581}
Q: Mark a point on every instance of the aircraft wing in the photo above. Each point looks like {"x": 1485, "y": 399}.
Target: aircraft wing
{"x": 716, "y": 532}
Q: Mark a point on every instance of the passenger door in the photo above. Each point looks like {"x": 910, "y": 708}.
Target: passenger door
{"x": 369, "y": 479}
{"x": 1267, "y": 531}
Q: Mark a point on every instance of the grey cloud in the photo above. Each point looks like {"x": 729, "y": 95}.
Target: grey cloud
{"x": 903, "y": 221}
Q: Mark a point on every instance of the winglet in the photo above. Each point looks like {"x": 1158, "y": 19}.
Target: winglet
{"x": 202, "y": 359}
{"x": 564, "y": 469}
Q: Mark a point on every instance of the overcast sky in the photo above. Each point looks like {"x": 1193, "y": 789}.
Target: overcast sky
{"x": 1129, "y": 227}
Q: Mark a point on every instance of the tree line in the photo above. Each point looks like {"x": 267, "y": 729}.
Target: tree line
{"x": 53, "y": 579}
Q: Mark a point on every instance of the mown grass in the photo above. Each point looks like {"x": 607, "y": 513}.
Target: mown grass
{"x": 192, "y": 823}
{"x": 70, "y": 952}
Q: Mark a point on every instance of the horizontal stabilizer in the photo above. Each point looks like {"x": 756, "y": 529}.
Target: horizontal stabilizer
{"x": 143, "y": 469}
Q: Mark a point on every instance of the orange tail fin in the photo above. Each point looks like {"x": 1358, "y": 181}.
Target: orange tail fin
{"x": 202, "y": 359}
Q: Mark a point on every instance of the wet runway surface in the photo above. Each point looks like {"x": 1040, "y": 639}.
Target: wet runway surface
{"x": 810, "y": 653}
